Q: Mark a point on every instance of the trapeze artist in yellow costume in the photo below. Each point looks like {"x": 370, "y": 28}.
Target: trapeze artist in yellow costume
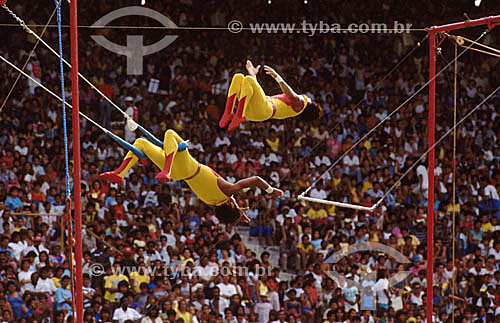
{"x": 255, "y": 105}
{"x": 176, "y": 163}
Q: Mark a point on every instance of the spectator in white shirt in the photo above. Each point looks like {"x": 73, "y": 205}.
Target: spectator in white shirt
{"x": 222, "y": 140}
{"x": 351, "y": 165}
{"x": 58, "y": 206}
{"x": 130, "y": 82}
{"x": 153, "y": 314}
{"x": 226, "y": 290}
{"x": 169, "y": 234}
{"x": 322, "y": 160}
{"x": 318, "y": 192}
{"x": 24, "y": 275}
{"x": 423, "y": 180}
{"x": 232, "y": 157}
{"x": 45, "y": 284}
{"x": 230, "y": 177}
{"x": 16, "y": 245}
{"x": 322, "y": 133}
{"x": 257, "y": 142}
{"x": 495, "y": 251}
{"x": 196, "y": 145}
{"x": 37, "y": 168}
{"x": 490, "y": 192}
{"x": 263, "y": 308}
{"x": 411, "y": 146}
{"x": 37, "y": 246}
{"x": 376, "y": 192}
{"x": 151, "y": 254}
{"x": 22, "y": 148}
{"x": 124, "y": 312}
{"x": 204, "y": 270}
{"x": 31, "y": 286}
{"x": 224, "y": 154}
{"x": 416, "y": 295}
{"x": 381, "y": 289}
{"x": 275, "y": 176}
{"x": 88, "y": 292}
{"x": 477, "y": 268}
{"x": 133, "y": 112}
{"x": 268, "y": 157}
{"x": 102, "y": 151}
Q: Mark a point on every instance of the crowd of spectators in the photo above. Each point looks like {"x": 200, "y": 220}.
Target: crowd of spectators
{"x": 154, "y": 253}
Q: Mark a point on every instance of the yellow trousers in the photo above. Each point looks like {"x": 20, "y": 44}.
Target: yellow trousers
{"x": 257, "y": 105}
{"x": 200, "y": 178}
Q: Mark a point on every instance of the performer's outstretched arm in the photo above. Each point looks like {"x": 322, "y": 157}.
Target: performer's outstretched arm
{"x": 226, "y": 212}
{"x": 250, "y": 182}
{"x": 297, "y": 100}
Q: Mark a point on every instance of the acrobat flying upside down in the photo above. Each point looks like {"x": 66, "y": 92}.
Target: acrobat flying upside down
{"x": 176, "y": 163}
{"x": 255, "y": 105}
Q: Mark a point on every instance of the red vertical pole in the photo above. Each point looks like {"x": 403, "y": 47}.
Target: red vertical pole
{"x": 76, "y": 158}
{"x": 430, "y": 199}
{"x": 71, "y": 257}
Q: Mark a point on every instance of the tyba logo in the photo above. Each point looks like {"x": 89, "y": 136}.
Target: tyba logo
{"x": 135, "y": 49}
{"x": 367, "y": 289}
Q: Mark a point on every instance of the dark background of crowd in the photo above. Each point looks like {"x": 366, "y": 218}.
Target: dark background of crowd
{"x": 164, "y": 226}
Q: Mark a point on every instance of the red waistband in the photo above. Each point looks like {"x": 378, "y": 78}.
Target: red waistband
{"x": 274, "y": 108}
{"x": 195, "y": 173}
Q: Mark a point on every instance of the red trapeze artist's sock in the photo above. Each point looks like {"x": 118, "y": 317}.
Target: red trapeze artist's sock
{"x": 164, "y": 175}
{"x": 114, "y": 176}
{"x": 238, "y": 117}
{"x": 228, "y": 111}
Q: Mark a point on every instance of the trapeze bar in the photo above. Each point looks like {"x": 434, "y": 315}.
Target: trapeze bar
{"x": 339, "y": 204}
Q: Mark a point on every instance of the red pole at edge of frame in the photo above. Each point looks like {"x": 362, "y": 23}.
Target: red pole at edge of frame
{"x": 430, "y": 199}
{"x": 490, "y": 21}
{"x": 76, "y": 158}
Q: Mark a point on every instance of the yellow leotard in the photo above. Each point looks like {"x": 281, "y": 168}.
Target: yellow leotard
{"x": 258, "y": 106}
{"x": 284, "y": 107}
{"x": 201, "y": 179}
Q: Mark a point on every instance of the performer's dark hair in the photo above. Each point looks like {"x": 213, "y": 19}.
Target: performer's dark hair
{"x": 311, "y": 112}
{"x": 227, "y": 214}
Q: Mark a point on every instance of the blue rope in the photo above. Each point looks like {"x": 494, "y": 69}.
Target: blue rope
{"x": 127, "y": 146}
{"x": 63, "y": 96}
{"x": 148, "y": 134}
{"x": 180, "y": 147}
